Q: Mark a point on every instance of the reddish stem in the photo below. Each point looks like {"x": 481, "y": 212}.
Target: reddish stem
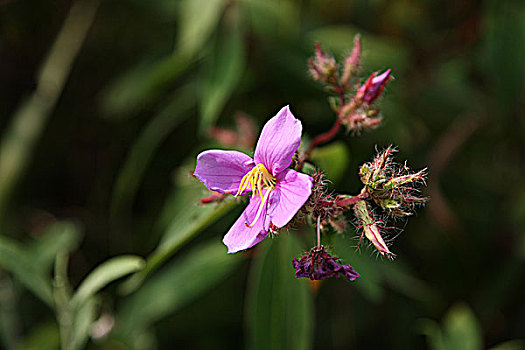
{"x": 327, "y": 136}
{"x": 346, "y": 202}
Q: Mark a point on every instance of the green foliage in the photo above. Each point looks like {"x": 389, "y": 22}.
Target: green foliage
{"x": 177, "y": 284}
{"x": 105, "y": 273}
{"x": 279, "y": 310}
{"x": 461, "y": 330}
{"x": 333, "y": 159}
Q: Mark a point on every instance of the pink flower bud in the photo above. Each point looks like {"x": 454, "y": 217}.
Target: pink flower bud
{"x": 370, "y": 228}
{"x": 352, "y": 62}
{"x": 373, "y": 87}
{"x": 323, "y": 67}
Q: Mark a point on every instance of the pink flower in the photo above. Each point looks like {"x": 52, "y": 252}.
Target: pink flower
{"x": 277, "y": 193}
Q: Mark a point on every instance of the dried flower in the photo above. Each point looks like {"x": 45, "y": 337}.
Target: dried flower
{"x": 277, "y": 193}
{"x": 317, "y": 264}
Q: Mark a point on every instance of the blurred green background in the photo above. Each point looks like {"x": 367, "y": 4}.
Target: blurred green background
{"x": 99, "y": 133}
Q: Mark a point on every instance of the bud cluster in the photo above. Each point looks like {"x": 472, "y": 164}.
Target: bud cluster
{"x": 392, "y": 187}
{"x": 355, "y": 107}
{"x": 323, "y": 67}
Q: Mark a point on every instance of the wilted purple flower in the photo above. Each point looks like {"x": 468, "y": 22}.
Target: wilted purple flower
{"x": 277, "y": 192}
{"x": 317, "y": 264}
{"x": 373, "y": 87}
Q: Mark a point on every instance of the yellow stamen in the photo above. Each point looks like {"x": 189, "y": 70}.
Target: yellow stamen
{"x": 258, "y": 178}
{"x": 259, "y": 211}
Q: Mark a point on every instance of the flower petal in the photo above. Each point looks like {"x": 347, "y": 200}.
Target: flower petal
{"x": 240, "y": 236}
{"x": 291, "y": 192}
{"x": 222, "y": 171}
{"x": 280, "y": 138}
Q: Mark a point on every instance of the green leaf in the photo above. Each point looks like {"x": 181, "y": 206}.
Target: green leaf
{"x": 370, "y": 283}
{"x": 17, "y": 261}
{"x": 332, "y": 159}
{"x": 143, "y": 149}
{"x": 274, "y": 18}
{"x": 174, "y": 286}
{"x": 104, "y": 274}
{"x": 279, "y": 307}
{"x": 187, "y": 219}
{"x": 226, "y": 70}
{"x": 141, "y": 86}
{"x": 61, "y": 236}
{"x": 198, "y": 19}
{"x": 83, "y": 320}
{"x": 462, "y": 329}
{"x": 433, "y": 332}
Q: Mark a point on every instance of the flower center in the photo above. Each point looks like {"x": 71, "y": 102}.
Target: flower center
{"x": 259, "y": 178}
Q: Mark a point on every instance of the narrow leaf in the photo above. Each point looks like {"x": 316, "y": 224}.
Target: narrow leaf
{"x": 187, "y": 219}
{"x": 104, "y": 274}
{"x": 279, "y": 307}
{"x": 17, "y": 261}
{"x": 226, "y": 70}
{"x": 462, "y": 329}
{"x": 61, "y": 236}
{"x": 176, "y": 285}
{"x": 198, "y": 19}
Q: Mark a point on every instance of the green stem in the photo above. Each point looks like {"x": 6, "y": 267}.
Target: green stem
{"x": 62, "y": 296}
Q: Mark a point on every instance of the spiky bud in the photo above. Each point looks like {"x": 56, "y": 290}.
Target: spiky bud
{"x": 352, "y": 62}
{"x": 370, "y": 228}
{"x": 323, "y": 67}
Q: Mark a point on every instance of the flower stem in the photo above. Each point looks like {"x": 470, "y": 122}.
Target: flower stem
{"x": 323, "y": 138}
{"x": 327, "y": 136}
{"x": 319, "y": 232}
{"x": 347, "y": 201}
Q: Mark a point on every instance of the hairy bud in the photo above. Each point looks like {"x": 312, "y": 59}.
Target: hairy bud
{"x": 370, "y": 228}
{"x": 323, "y": 67}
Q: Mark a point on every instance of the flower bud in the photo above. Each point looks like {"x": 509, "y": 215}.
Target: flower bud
{"x": 352, "y": 62}
{"x": 373, "y": 87}
{"x": 323, "y": 67}
{"x": 370, "y": 228}
{"x": 392, "y": 186}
